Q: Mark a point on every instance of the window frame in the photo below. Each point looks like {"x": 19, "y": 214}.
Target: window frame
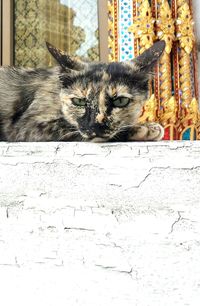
{"x": 0, "y": 30}
{"x": 103, "y": 29}
{"x": 7, "y": 32}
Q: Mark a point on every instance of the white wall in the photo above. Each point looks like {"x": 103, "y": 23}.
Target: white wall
{"x": 100, "y": 224}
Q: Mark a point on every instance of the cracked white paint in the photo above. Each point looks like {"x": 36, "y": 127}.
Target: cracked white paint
{"x": 100, "y": 224}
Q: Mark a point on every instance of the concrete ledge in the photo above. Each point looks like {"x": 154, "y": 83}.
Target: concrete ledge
{"x": 100, "y": 224}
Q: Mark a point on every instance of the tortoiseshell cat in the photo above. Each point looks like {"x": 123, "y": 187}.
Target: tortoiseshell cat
{"x": 78, "y": 101}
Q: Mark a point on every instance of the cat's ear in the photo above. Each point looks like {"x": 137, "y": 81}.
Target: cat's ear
{"x": 147, "y": 60}
{"x": 65, "y": 61}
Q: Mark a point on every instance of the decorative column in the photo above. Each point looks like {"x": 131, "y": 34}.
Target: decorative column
{"x": 113, "y": 30}
{"x": 144, "y": 34}
{"x": 189, "y": 113}
{"x": 168, "y": 105}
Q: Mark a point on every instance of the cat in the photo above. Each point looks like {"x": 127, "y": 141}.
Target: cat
{"x": 77, "y": 100}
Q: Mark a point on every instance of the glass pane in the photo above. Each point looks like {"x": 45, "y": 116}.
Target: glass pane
{"x": 70, "y": 25}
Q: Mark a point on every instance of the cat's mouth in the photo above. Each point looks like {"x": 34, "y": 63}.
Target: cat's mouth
{"x": 97, "y": 131}
{"x": 106, "y": 137}
{"x": 113, "y": 135}
{"x": 94, "y": 137}
{"x": 98, "y": 138}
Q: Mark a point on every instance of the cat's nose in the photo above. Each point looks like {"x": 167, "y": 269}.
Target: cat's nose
{"x": 91, "y": 134}
{"x": 97, "y": 129}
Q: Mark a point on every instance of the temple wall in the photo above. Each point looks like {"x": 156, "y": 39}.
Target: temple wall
{"x": 100, "y": 224}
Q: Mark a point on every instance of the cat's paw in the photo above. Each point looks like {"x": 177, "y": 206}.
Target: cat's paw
{"x": 146, "y": 132}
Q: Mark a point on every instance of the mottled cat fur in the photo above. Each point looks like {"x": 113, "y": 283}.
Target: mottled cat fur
{"x": 78, "y": 101}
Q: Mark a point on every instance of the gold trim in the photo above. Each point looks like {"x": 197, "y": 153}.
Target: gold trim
{"x": 149, "y": 113}
{"x": 166, "y": 32}
{"x": 143, "y": 26}
{"x": 165, "y": 25}
{"x": 168, "y": 116}
{"x": 111, "y": 31}
{"x": 191, "y": 113}
{"x": 185, "y": 78}
{"x": 185, "y": 26}
{"x": 185, "y": 34}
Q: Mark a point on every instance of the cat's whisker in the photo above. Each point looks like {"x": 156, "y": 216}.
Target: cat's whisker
{"x": 68, "y": 135}
{"x": 151, "y": 74}
{"x": 124, "y": 128}
{"x": 117, "y": 137}
{"x": 82, "y": 139}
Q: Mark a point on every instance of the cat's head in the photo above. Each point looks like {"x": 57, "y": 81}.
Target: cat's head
{"x": 103, "y": 100}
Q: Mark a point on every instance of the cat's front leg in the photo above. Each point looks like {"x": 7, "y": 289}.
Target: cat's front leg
{"x": 146, "y": 132}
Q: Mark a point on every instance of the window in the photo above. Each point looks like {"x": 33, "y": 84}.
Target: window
{"x": 70, "y": 25}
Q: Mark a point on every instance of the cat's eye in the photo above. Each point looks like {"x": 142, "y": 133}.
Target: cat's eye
{"x": 79, "y": 102}
{"x": 121, "y": 102}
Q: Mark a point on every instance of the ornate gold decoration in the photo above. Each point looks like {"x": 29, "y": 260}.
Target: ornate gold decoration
{"x": 173, "y": 100}
{"x": 185, "y": 78}
{"x": 165, "y": 31}
{"x": 150, "y": 107}
{"x": 143, "y": 30}
{"x": 143, "y": 26}
{"x": 185, "y": 26}
{"x": 111, "y": 31}
{"x": 186, "y": 43}
{"x": 165, "y": 25}
{"x": 185, "y": 34}
{"x": 192, "y": 113}
{"x": 169, "y": 115}
{"x": 165, "y": 78}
